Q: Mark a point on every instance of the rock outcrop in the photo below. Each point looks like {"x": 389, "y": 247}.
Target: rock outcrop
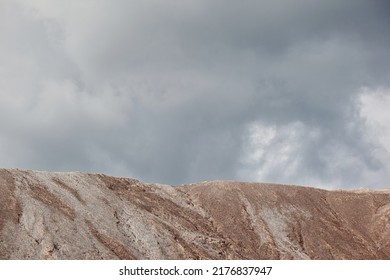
{"x": 93, "y": 216}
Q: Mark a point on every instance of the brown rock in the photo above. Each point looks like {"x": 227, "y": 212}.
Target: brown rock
{"x": 93, "y": 216}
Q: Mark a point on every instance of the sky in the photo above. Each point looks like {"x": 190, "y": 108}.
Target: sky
{"x": 180, "y": 91}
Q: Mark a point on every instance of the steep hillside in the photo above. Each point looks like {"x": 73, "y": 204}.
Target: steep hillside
{"x": 93, "y": 216}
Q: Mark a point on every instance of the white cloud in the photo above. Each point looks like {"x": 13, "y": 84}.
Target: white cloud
{"x": 275, "y": 154}
{"x": 375, "y": 109}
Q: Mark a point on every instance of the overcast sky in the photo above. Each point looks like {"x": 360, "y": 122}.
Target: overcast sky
{"x": 288, "y": 91}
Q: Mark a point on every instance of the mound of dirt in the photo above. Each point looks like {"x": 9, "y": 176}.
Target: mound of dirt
{"x": 93, "y": 216}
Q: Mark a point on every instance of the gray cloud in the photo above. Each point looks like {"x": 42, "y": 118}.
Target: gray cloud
{"x": 181, "y": 91}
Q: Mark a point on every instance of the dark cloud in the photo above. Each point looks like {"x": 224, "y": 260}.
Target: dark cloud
{"x": 181, "y": 91}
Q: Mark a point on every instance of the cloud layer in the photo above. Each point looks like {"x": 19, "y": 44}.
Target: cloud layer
{"x": 182, "y": 91}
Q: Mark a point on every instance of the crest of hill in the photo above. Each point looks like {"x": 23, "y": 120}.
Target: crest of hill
{"x": 74, "y": 215}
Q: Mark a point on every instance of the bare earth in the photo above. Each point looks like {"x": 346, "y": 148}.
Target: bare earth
{"x": 93, "y": 216}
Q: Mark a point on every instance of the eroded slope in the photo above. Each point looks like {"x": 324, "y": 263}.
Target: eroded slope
{"x": 92, "y": 216}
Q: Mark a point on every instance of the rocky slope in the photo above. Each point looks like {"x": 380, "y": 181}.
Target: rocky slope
{"x": 92, "y": 216}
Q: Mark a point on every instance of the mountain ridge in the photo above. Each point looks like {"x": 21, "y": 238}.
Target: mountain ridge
{"x": 61, "y": 215}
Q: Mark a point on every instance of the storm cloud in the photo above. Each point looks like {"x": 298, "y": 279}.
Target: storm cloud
{"x": 181, "y": 91}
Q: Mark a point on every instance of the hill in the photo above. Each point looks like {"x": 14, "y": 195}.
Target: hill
{"x": 47, "y": 215}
